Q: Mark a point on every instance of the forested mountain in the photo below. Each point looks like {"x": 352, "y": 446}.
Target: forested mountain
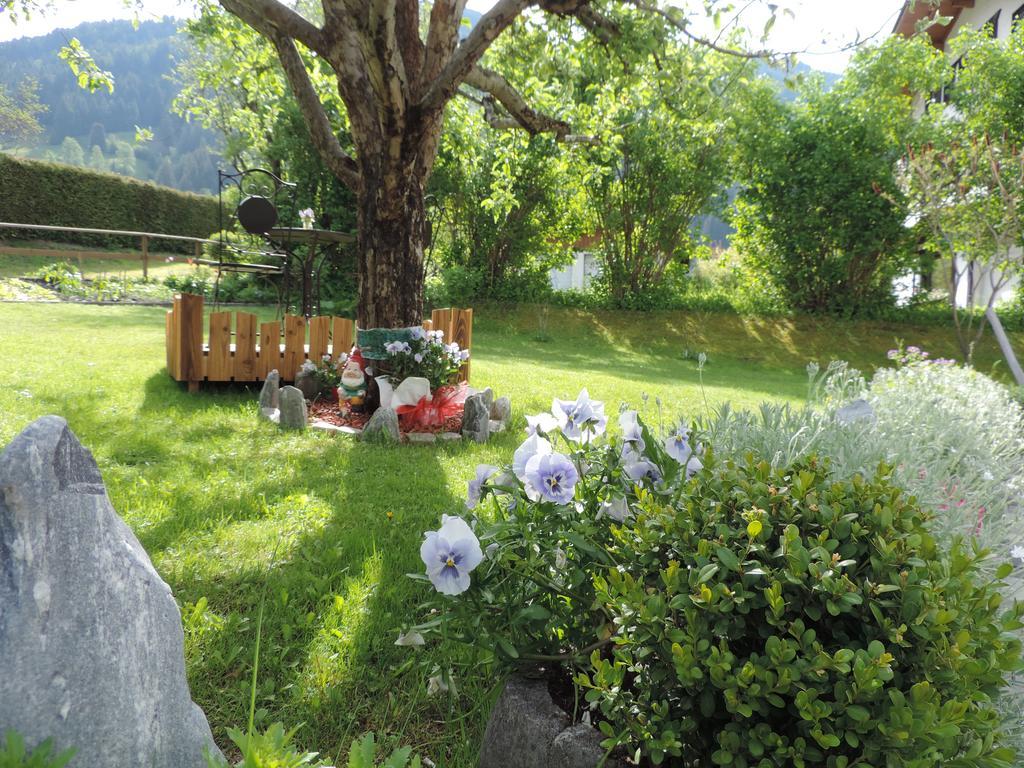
{"x": 98, "y": 129}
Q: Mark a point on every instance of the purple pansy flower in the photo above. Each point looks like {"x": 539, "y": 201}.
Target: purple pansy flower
{"x": 638, "y": 469}
{"x": 580, "y": 420}
{"x": 551, "y": 477}
{"x": 531, "y": 446}
{"x": 483, "y": 473}
{"x": 632, "y": 432}
{"x": 450, "y": 553}
{"x": 543, "y": 422}
{"x": 616, "y": 508}
{"x": 677, "y": 445}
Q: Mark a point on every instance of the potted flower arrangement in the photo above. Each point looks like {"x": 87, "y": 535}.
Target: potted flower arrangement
{"x": 420, "y": 378}
{"x": 717, "y": 611}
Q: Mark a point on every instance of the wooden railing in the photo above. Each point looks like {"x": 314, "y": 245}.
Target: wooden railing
{"x": 251, "y": 356}
{"x": 144, "y": 239}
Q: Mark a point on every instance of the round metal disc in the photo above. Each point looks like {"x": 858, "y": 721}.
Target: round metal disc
{"x": 256, "y": 214}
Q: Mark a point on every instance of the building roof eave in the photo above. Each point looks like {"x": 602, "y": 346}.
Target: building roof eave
{"x": 906, "y": 24}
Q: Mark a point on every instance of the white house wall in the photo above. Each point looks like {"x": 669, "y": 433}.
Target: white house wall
{"x": 982, "y": 11}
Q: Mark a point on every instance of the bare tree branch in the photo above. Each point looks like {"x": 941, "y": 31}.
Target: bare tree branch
{"x": 466, "y": 56}
{"x": 264, "y": 14}
{"x": 326, "y": 143}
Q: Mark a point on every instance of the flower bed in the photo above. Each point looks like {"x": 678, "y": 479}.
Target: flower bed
{"x": 331, "y": 413}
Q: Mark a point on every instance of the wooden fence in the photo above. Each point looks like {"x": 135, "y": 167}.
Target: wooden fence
{"x": 257, "y": 348}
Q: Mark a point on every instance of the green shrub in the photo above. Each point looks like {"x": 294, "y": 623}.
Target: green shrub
{"x": 727, "y": 612}
{"x": 775, "y": 617}
{"x": 13, "y": 754}
{"x": 34, "y": 192}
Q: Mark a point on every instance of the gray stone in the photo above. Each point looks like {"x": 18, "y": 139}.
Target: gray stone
{"x": 858, "y": 410}
{"x": 293, "y": 409}
{"x": 450, "y": 436}
{"x": 270, "y": 394}
{"x": 522, "y": 727}
{"x": 271, "y": 414}
{"x": 579, "y": 746}
{"x": 527, "y": 729}
{"x": 422, "y": 437}
{"x": 91, "y": 641}
{"x": 307, "y": 384}
{"x": 476, "y": 421}
{"x": 501, "y": 410}
{"x": 496, "y": 426}
{"x": 382, "y": 426}
{"x": 488, "y": 397}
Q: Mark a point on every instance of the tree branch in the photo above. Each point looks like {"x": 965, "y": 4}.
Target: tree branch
{"x": 263, "y": 15}
{"x": 522, "y": 115}
{"x": 684, "y": 27}
{"x": 466, "y": 56}
{"x": 442, "y": 35}
{"x": 320, "y": 131}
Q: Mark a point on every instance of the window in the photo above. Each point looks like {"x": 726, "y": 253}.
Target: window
{"x": 993, "y": 25}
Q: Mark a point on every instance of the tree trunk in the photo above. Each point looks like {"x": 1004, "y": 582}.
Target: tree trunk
{"x": 392, "y": 225}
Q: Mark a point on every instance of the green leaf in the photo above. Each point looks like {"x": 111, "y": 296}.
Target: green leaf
{"x": 727, "y": 558}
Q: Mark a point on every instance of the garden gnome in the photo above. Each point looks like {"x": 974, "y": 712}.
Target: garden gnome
{"x": 353, "y": 381}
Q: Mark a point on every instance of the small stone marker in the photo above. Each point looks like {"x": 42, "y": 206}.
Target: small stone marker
{"x": 91, "y": 642}
{"x": 293, "y": 409}
{"x": 476, "y": 418}
{"x": 488, "y": 397}
{"x": 305, "y": 382}
{"x": 501, "y": 410}
{"x": 269, "y": 395}
{"x": 383, "y": 425}
{"x": 422, "y": 437}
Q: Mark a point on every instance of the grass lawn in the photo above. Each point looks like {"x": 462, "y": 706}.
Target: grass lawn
{"x": 228, "y": 506}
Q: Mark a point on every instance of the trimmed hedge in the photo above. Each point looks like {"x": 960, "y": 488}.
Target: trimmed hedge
{"x": 35, "y": 192}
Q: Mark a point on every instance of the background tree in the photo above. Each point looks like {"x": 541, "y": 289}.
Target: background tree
{"x": 19, "y": 114}
{"x": 970, "y": 193}
{"x": 395, "y": 85}
{"x": 662, "y": 159}
{"x": 820, "y": 210}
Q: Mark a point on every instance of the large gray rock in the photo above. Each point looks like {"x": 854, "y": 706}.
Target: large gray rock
{"x": 522, "y": 727}
{"x": 91, "y": 644}
{"x": 293, "y": 409}
{"x": 476, "y": 418}
{"x": 382, "y": 426}
{"x": 527, "y": 729}
{"x": 270, "y": 394}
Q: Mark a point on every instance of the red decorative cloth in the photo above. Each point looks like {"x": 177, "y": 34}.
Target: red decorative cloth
{"x": 433, "y": 411}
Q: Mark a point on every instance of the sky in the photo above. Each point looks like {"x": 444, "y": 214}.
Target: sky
{"x": 819, "y": 29}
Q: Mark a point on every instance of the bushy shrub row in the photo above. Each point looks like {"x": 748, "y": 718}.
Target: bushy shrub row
{"x": 34, "y": 192}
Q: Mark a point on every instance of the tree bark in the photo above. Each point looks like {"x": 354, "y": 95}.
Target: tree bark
{"x": 392, "y": 224}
